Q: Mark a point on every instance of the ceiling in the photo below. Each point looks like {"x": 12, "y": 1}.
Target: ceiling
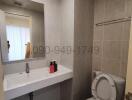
{"x": 27, "y": 4}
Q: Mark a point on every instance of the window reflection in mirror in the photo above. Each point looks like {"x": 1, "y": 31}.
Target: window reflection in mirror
{"x": 18, "y": 31}
{"x": 23, "y": 30}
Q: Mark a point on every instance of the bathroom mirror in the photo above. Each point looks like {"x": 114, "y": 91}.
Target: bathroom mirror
{"x": 21, "y": 30}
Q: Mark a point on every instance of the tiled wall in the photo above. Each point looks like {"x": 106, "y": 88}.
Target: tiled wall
{"x": 111, "y": 42}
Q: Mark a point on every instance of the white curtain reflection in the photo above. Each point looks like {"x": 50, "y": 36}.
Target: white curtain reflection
{"x": 17, "y": 37}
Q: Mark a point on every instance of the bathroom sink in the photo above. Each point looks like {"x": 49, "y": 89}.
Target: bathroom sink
{"x": 18, "y": 84}
{"x": 19, "y": 79}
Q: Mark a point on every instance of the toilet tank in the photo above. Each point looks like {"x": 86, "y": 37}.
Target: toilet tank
{"x": 119, "y": 82}
{"x": 120, "y": 86}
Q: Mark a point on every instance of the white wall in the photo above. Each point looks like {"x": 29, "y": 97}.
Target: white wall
{"x": 59, "y": 31}
{"x": 52, "y": 27}
{"x": 52, "y": 38}
{"x": 52, "y": 33}
{"x": 67, "y": 35}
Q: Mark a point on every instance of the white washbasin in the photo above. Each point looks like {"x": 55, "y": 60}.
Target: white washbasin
{"x": 18, "y": 84}
{"x": 20, "y": 79}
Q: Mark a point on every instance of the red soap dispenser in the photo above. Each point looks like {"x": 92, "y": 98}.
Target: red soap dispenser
{"x": 52, "y": 68}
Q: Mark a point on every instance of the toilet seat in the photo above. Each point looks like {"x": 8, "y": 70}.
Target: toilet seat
{"x": 103, "y": 88}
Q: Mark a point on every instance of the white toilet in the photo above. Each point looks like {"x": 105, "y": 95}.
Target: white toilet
{"x": 107, "y": 87}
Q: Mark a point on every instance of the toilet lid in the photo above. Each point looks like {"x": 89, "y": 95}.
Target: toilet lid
{"x": 104, "y": 88}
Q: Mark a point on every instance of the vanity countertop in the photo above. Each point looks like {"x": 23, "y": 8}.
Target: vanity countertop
{"x": 18, "y": 84}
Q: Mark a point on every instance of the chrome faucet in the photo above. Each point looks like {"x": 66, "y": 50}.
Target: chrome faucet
{"x": 27, "y": 68}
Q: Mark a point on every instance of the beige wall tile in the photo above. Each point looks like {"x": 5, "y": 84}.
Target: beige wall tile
{"x": 114, "y": 9}
{"x": 124, "y": 58}
{"x": 125, "y": 35}
{"x": 123, "y": 70}
{"x": 124, "y": 51}
{"x": 114, "y": 36}
{"x": 111, "y": 66}
{"x": 97, "y": 48}
{"x": 112, "y": 49}
{"x": 96, "y": 63}
{"x": 113, "y": 31}
{"x": 98, "y": 33}
{"x": 99, "y": 11}
{"x": 128, "y": 7}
